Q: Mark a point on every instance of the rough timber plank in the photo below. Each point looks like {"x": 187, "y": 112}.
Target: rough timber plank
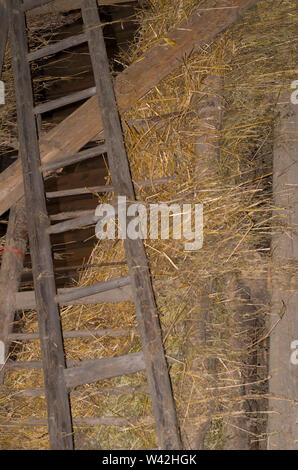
{"x": 26, "y": 300}
{"x": 3, "y": 32}
{"x": 102, "y": 369}
{"x": 61, "y": 6}
{"x": 146, "y": 310}
{"x": 16, "y": 236}
{"x": 131, "y": 85}
{"x": 56, "y": 47}
{"x": 283, "y": 383}
{"x": 102, "y": 333}
{"x": 59, "y": 416}
{"x": 11, "y": 271}
{"x": 79, "y": 422}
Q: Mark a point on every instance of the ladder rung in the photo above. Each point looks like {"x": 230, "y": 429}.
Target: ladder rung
{"x": 108, "y": 332}
{"x": 79, "y": 292}
{"x": 73, "y": 224}
{"x": 75, "y": 158}
{"x": 88, "y": 421}
{"x": 90, "y": 370}
{"x": 78, "y": 191}
{"x": 26, "y": 300}
{"x": 57, "y": 47}
{"x": 70, "y": 215}
{"x": 30, "y": 4}
{"x": 105, "y": 189}
{"x": 65, "y": 100}
{"x": 120, "y": 390}
{"x": 102, "y": 369}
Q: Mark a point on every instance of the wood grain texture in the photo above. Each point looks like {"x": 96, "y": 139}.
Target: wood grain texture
{"x": 61, "y": 6}
{"x": 3, "y": 32}
{"x": 59, "y": 415}
{"x": 11, "y": 271}
{"x": 102, "y": 369}
{"x": 143, "y": 297}
{"x": 131, "y": 85}
{"x": 26, "y": 300}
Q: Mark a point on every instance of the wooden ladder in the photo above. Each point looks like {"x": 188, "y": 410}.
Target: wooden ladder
{"x": 61, "y": 375}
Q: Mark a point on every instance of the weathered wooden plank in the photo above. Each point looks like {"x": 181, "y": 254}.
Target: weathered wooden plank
{"x": 11, "y": 272}
{"x": 76, "y": 158}
{"x": 80, "y": 292}
{"x": 29, "y": 4}
{"x": 70, "y": 215}
{"x": 61, "y": 6}
{"x": 106, "y": 189}
{"x": 102, "y": 333}
{"x": 93, "y": 366}
{"x": 118, "y": 390}
{"x": 283, "y": 370}
{"x": 59, "y": 415}
{"x": 64, "y": 101}
{"x": 146, "y": 310}
{"x": 3, "y": 32}
{"x": 102, "y": 369}
{"x": 75, "y": 223}
{"x": 88, "y": 421}
{"x": 26, "y": 300}
{"x": 56, "y": 47}
{"x": 133, "y": 83}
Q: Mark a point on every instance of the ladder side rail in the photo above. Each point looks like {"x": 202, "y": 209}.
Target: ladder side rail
{"x": 145, "y": 305}
{"x": 59, "y": 415}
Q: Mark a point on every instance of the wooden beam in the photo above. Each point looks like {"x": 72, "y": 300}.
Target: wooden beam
{"x": 62, "y": 6}
{"x": 59, "y": 415}
{"x": 26, "y": 300}
{"x": 106, "y": 189}
{"x": 102, "y": 333}
{"x": 131, "y": 85}
{"x": 56, "y": 47}
{"x": 80, "y": 292}
{"x": 3, "y": 32}
{"x": 146, "y": 309}
{"x": 283, "y": 370}
{"x": 102, "y": 369}
{"x": 11, "y": 271}
{"x": 74, "y": 223}
{"x": 76, "y": 158}
{"x": 64, "y": 101}
{"x": 118, "y": 390}
{"x": 87, "y": 422}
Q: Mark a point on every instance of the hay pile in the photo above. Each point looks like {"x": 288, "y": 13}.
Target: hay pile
{"x": 213, "y": 303}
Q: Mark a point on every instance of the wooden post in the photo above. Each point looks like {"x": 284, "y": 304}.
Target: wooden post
{"x": 11, "y": 271}
{"x": 283, "y": 367}
{"x": 59, "y": 416}
{"x": 16, "y": 235}
{"x": 146, "y": 310}
{"x": 3, "y": 32}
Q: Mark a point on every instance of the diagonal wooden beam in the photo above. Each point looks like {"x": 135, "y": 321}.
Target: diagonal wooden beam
{"x": 62, "y": 6}
{"x": 131, "y": 85}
